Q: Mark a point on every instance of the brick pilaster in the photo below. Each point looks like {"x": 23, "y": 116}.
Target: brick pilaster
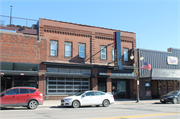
{"x": 42, "y": 79}
{"x": 94, "y": 80}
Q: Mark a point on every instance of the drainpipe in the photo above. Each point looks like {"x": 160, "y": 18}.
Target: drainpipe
{"x": 10, "y": 15}
{"x": 39, "y": 39}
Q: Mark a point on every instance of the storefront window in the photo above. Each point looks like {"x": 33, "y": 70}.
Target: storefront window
{"x": 25, "y": 81}
{"x": 67, "y": 86}
{"x": 25, "y": 67}
{"x": 19, "y": 66}
{"x": 170, "y": 86}
{"x": 6, "y": 66}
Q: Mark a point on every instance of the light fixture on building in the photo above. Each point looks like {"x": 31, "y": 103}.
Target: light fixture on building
{"x": 2, "y": 73}
{"x": 22, "y": 74}
{"x": 132, "y": 57}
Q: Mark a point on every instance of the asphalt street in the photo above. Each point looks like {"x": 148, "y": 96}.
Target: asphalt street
{"x": 115, "y": 111}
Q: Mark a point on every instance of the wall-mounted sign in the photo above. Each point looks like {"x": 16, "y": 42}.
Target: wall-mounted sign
{"x": 147, "y": 84}
{"x": 172, "y": 60}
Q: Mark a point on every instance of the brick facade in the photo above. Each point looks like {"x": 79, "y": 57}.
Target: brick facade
{"x": 93, "y": 37}
{"x": 23, "y": 48}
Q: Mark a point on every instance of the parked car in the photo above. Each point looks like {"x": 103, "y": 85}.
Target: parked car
{"x": 173, "y": 97}
{"x": 88, "y": 98}
{"x": 21, "y": 96}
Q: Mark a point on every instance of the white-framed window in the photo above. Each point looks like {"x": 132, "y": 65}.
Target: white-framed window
{"x": 53, "y": 48}
{"x": 103, "y": 52}
{"x": 82, "y": 50}
{"x": 125, "y": 53}
{"x": 113, "y": 53}
{"x": 68, "y": 49}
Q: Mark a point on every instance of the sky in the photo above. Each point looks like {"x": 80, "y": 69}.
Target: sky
{"x": 155, "y": 22}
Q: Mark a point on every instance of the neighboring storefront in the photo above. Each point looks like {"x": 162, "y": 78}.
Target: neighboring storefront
{"x": 18, "y": 74}
{"x": 164, "y": 75}
{"x": 122, "y": 82}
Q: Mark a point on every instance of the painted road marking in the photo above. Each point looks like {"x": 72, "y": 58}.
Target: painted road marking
{"x": 136, "y": 116}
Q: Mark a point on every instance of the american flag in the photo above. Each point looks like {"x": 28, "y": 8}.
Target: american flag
{"x": 146, "y": 66}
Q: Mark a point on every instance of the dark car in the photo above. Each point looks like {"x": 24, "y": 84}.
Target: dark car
{"x": 173, "y": 97}
{"x": 21, "y": 96}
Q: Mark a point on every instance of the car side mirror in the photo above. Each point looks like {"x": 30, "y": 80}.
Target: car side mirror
{"x": 83, "y": 95}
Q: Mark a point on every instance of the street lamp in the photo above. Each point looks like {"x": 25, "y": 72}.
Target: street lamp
{"x": 136, "y": 67}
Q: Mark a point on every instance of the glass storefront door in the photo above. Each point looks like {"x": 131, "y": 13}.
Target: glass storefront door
{"x": 120, "y": 89}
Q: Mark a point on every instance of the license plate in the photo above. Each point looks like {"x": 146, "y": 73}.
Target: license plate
{"x": 162, "y": 99}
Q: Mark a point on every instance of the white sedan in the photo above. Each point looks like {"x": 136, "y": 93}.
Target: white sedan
{"x": 87, "y": 98}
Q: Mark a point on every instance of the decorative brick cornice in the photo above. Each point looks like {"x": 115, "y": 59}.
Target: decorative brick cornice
{"x": 81, "y": 33}
{"x": 66, "y": 31}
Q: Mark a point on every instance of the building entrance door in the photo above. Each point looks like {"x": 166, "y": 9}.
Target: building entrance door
{"x": 119, "y": 89}
{"x": 154, "y": 88}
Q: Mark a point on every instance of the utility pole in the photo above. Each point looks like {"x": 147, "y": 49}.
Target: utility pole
{"x": 136, "y": 68}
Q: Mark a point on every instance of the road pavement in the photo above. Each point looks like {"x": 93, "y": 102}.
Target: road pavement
{"x": 121, "y": 109}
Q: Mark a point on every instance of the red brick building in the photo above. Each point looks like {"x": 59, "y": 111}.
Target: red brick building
{"x": 65, "y": 58}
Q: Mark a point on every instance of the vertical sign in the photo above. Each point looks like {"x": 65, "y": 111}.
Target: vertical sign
{"x": 118, "y": 50}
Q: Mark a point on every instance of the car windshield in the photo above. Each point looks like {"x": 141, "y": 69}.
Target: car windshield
{"x": 173, "y": 92}
{"x": 79, "y": 93}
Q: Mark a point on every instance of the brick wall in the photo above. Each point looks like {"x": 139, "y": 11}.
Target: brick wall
{"x": 16, "y": 47}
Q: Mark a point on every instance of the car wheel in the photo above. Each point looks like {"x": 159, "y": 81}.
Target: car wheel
{"x": 33, "y": 104}
{"x": 163, "y": 102}
{"x": 106, "y": 103}
{"x": 175, "y": 100}
{"x": 76, "y": 104}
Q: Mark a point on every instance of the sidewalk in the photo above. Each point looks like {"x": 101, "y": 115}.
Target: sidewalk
{"x": 50, "y": 103}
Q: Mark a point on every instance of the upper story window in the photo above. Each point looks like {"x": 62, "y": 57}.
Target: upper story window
{"x": 68, "y": 49}
{"x": 82, "y": 50}
{"x": 53, "y": 48}
{"x": 125, "y": 53}
{"x": 103, "y": 52}
{"x": 113, "y": 53}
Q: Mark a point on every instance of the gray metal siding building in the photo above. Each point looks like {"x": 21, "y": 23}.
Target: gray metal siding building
{"x": 164, "y": 75}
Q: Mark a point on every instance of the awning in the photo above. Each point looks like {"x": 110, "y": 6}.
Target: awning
{"x": 19, "y": 73}
{"x": 68, "y": 75}
{"x": 119, "y": 75}
{"x": 165, "y": 74}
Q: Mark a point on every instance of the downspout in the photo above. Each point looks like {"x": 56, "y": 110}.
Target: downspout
{"x": 39, "y": 39}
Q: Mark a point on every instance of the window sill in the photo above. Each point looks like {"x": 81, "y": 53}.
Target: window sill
{"x": 67, "y": 57}
{"x": 52, "y": 56}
